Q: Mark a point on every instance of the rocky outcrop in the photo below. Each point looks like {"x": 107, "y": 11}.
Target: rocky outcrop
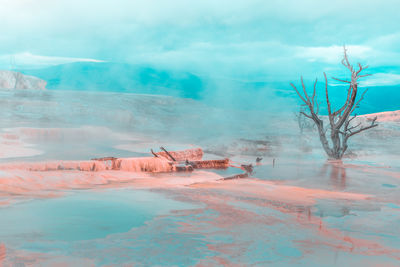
{"x": 188, "y": 154}
{"x": 144, "y": 164}
{"x": 393, "y": 116}
{"x": 17, "y": 80}
{"x": 139, "y": 164}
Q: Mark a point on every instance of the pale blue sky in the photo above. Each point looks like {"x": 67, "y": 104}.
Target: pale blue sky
{"x": 246, "y": 39}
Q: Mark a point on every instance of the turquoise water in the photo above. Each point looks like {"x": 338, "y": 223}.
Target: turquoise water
{"x": 107, "y": 227}
{"x": 82, "y": 215}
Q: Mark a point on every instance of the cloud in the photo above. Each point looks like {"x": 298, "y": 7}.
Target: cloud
{"x": 382, "y": 79}
{"x": 28, "y": 60}
{"x": 276, "y": 37}
{"x": 389, "y": 42}
{"x": 332, "y": 54}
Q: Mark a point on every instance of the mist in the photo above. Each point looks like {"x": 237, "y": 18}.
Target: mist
{"x": 167, "y": 133}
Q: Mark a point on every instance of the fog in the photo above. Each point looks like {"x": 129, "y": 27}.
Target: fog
{"x": 208, "y": 81}
{"x": 191, "y": 71}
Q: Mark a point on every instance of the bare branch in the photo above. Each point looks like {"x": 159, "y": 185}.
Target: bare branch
{"x": 340, "y": 80}
{"x": 353, "y": 127}
{"x": 345, "y": 103}
{"x": 363, "y": 129}
{"x": 298, "y": 93}
{"x": 359, "y": 100}
{"x": 306, "y": 115}
{"x": 352, "y": 118}
{"x": 169, "y": 155}
{"x": 345, "y": 61}
{"x": 304, "y": 90}
{"x": 313, "y": 96}
{"x": 361, "y": 68}
{"x": 152, "y": 152}
{"x": 327, "y": 97}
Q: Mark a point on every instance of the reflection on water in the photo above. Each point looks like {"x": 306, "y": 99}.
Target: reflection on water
{"x": 337, "y": 174}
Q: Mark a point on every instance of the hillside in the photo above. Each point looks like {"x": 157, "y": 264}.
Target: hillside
{"x": 16, "y": 80}
{"x": 118, "y": 77}
{"x": 219, "y": 91}
{"x": 388, "y": 116}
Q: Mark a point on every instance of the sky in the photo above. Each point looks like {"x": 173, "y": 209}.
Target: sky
{"x": 243, "y": 39}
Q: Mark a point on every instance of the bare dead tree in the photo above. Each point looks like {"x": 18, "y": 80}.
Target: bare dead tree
{"x": 340, "y": 121}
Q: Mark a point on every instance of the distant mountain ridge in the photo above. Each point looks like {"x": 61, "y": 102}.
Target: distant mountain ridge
{"x": 229, "y": 91}
{"x": 119, "y": 77}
